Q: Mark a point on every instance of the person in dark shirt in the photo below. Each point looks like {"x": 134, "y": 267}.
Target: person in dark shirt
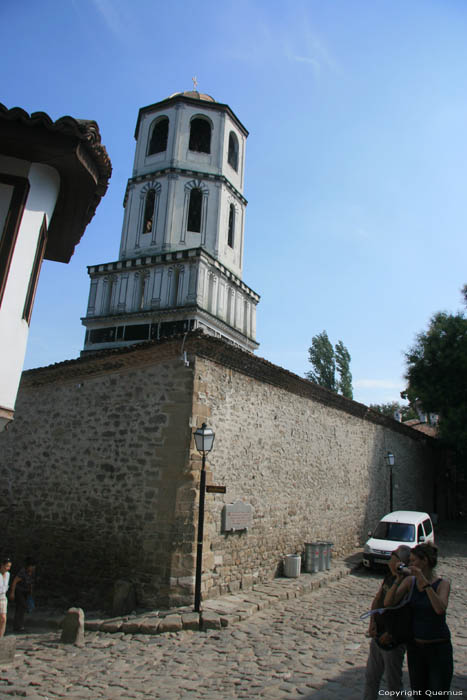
{"x": 21, "y": 589}
{"x": 385, "y": 656}
{"x": 429, "y": 655}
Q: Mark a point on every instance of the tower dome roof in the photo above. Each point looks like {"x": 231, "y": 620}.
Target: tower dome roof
{"x": 194, "y": 94}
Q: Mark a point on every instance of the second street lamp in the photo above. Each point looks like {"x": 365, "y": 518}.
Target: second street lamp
{"x": 390, "y": 462}
{"x": 204, "y": 440}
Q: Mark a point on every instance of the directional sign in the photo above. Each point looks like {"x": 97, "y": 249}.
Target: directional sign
{"x": 210, "y": 488}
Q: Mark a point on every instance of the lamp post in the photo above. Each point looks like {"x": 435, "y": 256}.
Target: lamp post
{"x": 390, "y": 462}
{"x": 204, "y": 440}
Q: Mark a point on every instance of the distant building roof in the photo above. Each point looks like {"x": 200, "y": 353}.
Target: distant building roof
{"x": 71, "y": 146}
{"x": 423, "y": 427}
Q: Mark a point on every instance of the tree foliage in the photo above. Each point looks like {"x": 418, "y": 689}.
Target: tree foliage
{"x": 437, "y": 376}
{"x": 325, "y": 360}
{"x": 344, "y": 383}
{"x": 389, "y": 409}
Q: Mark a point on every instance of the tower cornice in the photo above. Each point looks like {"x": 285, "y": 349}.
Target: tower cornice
{"x": 199, "y": 174}
{"x": 170, "y": 258}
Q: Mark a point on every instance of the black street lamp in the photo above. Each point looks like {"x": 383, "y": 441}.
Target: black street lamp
{"x": 204, "y": 440}
{"x": 390, "y": 462}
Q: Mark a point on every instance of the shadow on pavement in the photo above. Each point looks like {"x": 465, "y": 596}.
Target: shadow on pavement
{"x": 350, "y": 685}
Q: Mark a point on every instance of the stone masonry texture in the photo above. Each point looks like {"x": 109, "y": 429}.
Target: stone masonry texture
{"x": 99, "y": 472}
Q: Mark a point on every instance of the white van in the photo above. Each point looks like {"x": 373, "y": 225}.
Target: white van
{"x": 407, "y": 527}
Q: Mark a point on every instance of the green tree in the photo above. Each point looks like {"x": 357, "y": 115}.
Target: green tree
{"x": 325, "y": 360}
{"x": 343, "y": 358}
{"x": 321, "y": 356}
{"x": 437, "y": 376}
{"x": 389, "y": 409}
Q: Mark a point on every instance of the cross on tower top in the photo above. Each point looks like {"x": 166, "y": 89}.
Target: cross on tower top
{"x": 195, "y": 82}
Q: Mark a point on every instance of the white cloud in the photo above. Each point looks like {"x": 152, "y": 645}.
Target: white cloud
{"x": 296, "y": 41}
{"x": 305, "y": 46}
{"x": 112, "y": 14}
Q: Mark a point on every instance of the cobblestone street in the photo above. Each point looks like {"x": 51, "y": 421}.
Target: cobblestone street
{"x": 310, "y": 647}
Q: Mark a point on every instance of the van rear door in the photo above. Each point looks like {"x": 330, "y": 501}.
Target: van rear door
{"x": 428, "y": 527}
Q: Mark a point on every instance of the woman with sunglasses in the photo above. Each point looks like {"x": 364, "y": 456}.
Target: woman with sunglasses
{"x": 5, "y": 566}
{"x": 429, "y": 655}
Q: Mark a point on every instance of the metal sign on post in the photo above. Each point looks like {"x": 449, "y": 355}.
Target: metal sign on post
{"x": 212, "y": 488}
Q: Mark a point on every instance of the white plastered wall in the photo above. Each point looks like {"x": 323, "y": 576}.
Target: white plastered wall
{"x": 44, "y": 187}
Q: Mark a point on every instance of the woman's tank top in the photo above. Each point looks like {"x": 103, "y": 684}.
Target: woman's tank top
{"x": 427, "y": 624}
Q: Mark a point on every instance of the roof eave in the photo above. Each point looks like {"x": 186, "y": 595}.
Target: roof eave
{"x": 73, "y": 148}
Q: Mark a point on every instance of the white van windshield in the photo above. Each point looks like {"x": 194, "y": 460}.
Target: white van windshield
{"x": 396, "y": 532}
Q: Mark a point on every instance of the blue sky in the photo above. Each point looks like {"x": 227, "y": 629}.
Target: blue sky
{"x": 356, "y": 170}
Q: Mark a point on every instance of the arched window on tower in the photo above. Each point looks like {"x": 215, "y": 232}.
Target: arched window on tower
{"x": 159, "y": 136}
{"x": 200, "y": 136}
{"x": 231, "y": 232}
{"x": 232, "y": 157}
{"x": 194, "y": 210}
{"x": 148, "y": 218}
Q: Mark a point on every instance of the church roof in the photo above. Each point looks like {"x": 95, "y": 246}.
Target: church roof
{"x": 194, "y": 95}
{"x": 73, "y": 147}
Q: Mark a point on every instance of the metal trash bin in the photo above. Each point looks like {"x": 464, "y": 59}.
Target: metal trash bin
{"x": 292, "y": 565}
{"x": 328, "y": 555}
{"x": 312, "y": 557}
{"x": 323, "y": 550}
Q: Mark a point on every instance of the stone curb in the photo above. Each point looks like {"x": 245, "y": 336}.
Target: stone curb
{"x": 217, "y": 612}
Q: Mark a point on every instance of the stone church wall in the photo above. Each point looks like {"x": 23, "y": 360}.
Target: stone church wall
{"x": 310, "y": 470}
{"x": 99, "y": 473}
{"x": 91, "y": 471}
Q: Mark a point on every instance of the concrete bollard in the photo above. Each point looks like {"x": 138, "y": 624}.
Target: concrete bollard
{"x": 7, "y": 650}
{"x": 73, "y": 627}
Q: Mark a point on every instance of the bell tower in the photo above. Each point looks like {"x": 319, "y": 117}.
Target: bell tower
{"x": 181, "y": 252}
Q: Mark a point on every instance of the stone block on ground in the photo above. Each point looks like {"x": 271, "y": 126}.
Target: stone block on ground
{"x": 171, "y": 623}
{"x": 7, "y": 650}
{"x": 131, "y": 627}
{"x": 149, "y": 625}
{"x": 73, "y": 627}
{"x": 111, "y": 627}
{"x": 271, "y": 591}
{"x": 93, "y": 625}
{"x": 259, "y": 603}
{"x": 190, "y": 621}
{"x": 221, "y": 605}
{"x": 210, "y": 620}
{"x": 227, "y": 620}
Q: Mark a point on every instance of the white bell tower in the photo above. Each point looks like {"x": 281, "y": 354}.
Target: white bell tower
{"x": 181, "y": 251}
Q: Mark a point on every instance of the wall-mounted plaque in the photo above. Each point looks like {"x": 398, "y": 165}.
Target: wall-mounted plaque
{"x": 237, "y": 516}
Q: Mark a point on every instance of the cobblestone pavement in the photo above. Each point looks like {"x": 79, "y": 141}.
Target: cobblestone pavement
{"x": 312, "y": 647}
